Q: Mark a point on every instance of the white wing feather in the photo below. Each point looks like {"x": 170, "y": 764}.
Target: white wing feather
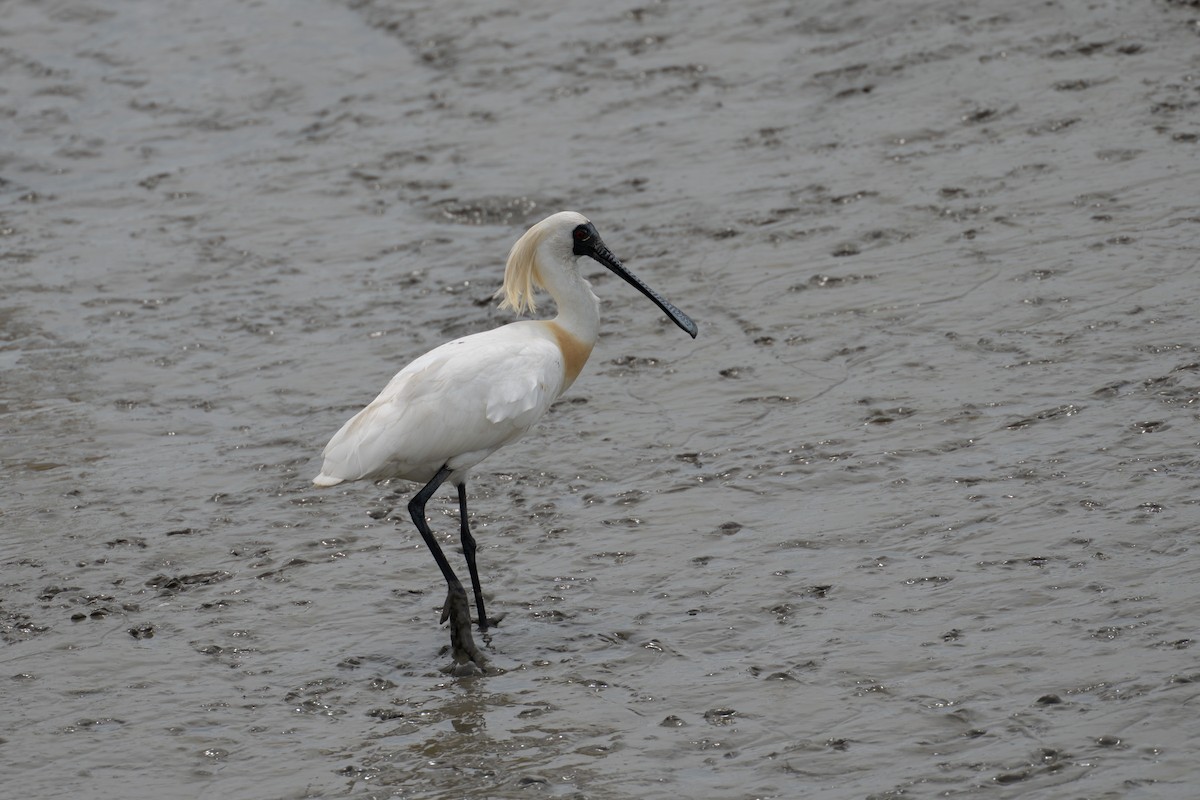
{"x": 453, "y": 406}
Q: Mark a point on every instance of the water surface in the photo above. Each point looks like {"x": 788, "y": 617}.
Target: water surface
{"x": 912, "y": 516}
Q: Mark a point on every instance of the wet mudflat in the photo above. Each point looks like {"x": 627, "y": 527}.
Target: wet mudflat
{"x": 916, "y": 514}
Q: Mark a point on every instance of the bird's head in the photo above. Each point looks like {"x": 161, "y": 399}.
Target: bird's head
{"x": 559, "y": 241}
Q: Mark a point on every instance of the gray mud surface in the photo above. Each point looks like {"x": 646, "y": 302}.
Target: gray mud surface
{"x": 916, "y": 515}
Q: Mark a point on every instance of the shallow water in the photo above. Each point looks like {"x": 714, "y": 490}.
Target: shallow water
{"x": 913, "y": 516}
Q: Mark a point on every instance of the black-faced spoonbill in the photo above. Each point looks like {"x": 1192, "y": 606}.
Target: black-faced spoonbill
{"x": 460, "y": 402}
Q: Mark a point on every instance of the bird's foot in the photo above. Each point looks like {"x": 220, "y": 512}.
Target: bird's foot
{"x": 468, "y": 659}
{"x": 485, "y": 620}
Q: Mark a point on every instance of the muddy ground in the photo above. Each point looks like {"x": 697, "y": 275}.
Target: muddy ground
{"x": 915, "y": 515}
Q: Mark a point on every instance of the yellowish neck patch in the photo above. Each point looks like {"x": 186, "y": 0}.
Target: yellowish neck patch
{"x": 575, "y": 352}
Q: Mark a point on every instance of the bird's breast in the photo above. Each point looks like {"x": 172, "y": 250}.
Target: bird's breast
{"x": 575, "y": 352}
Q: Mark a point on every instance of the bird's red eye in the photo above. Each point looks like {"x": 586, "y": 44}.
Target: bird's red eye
{"x": 581, "y": 234}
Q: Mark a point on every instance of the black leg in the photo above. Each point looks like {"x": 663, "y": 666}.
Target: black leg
{"x": 468, "y": 544}
{"x": 416, "y": 509}
{"x": 457, "y": 609}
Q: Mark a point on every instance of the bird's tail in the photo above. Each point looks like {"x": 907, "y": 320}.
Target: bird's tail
{"x": 326, "y": 480}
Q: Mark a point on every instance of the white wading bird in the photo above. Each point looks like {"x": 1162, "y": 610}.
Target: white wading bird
{"x": 459, "y": 403}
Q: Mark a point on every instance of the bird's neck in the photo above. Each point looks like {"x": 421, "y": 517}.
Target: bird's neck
{"x": 578, "y": 306}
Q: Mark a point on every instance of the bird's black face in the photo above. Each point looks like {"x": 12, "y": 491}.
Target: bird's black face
{"x": 586, "y": 239}
{"x": 587, "y": 242}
